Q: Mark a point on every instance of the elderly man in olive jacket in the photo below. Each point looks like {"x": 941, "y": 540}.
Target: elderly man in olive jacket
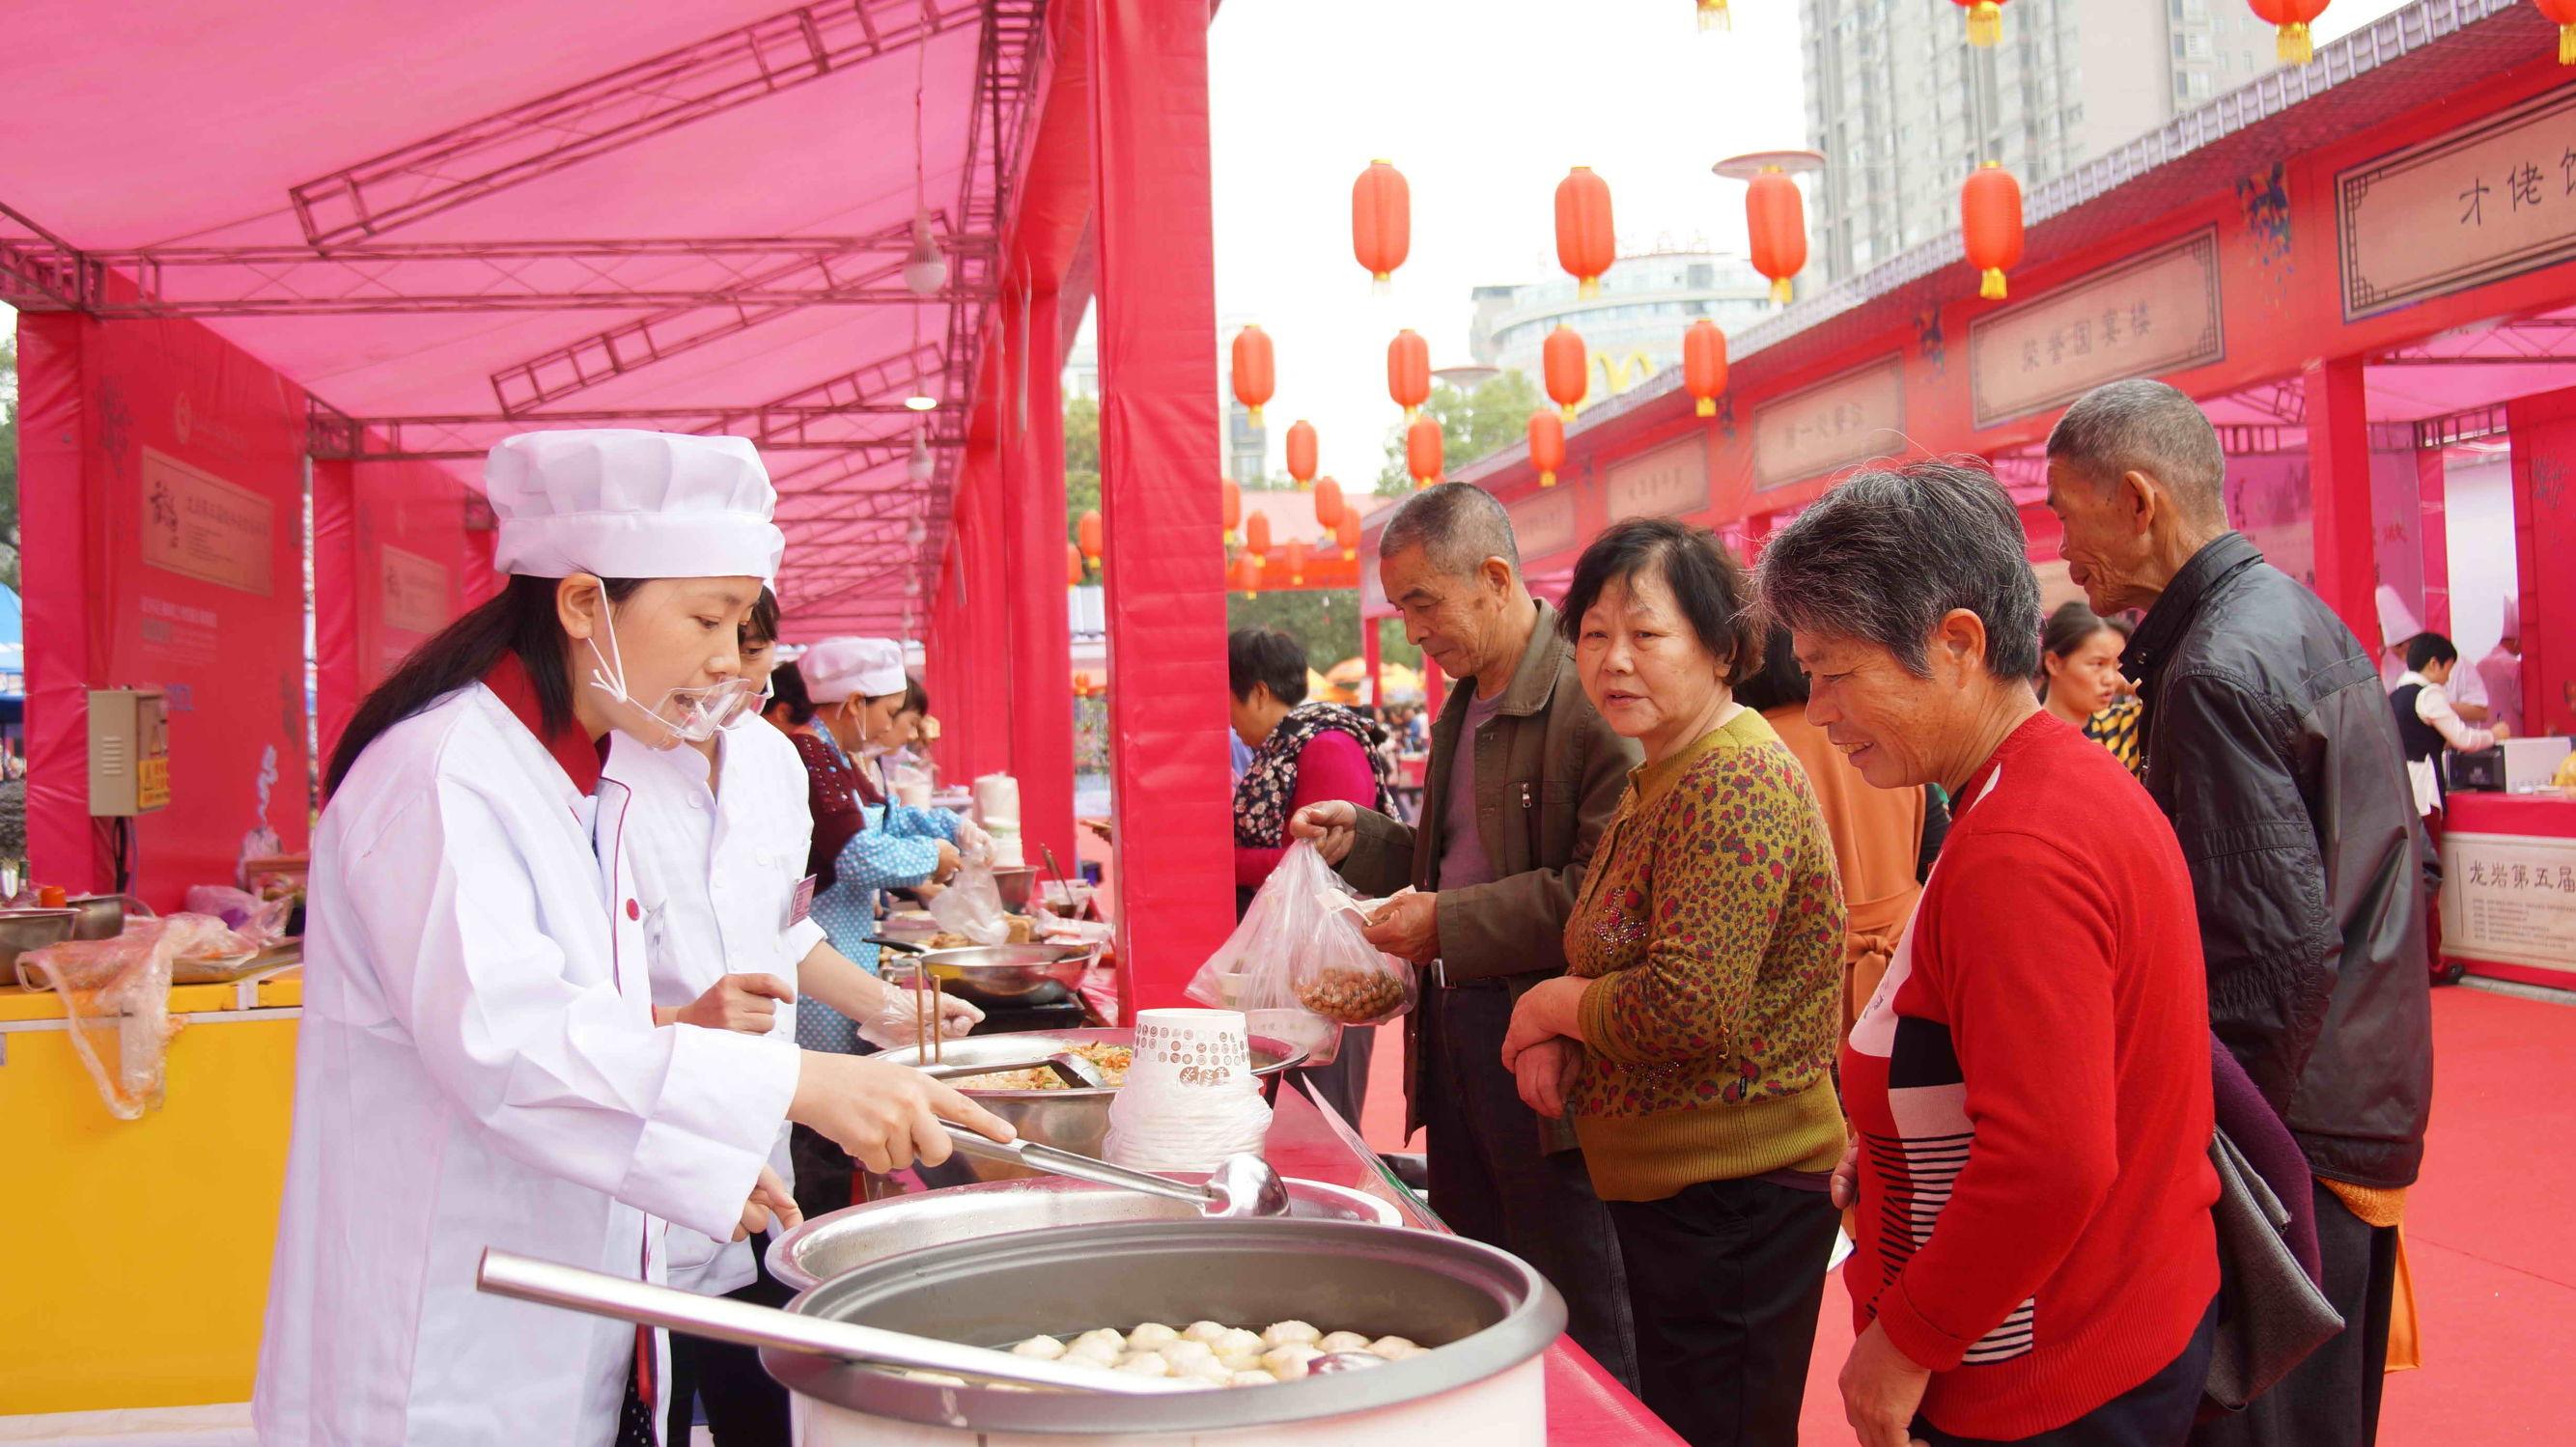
{"x": 1524, "y": 777}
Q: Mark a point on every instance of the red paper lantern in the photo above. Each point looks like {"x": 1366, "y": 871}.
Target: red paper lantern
{"x": 1990, "y": 217}
{"x": 1256, "y": 535}
{"x": 1347, "y": 533}
{"x": 1230, "y": 500}
{"x": 1088, "y": 530}
{"x": 1776, "y": 217}
{"x": 2291, "y": 43}
{"x": 1247, "y": 573}
{"x": 1713, "y": 16}
{"x": 1072, "y": 566}
{"x": 1296, "y": 551}
{"x": 1704, "y": 364}
{"x": 1422, "y": 451}
{"x": 1328, "y": 504}
{"x": 2562, "y": 13}
{"x": 1547, "y": 446}
{"x": 1585, "y": 243}
{"x": 1381, "y": 221}
{"x": 1408, "y": 371}
{"x": 1253, "y": 383}
{"x": 1568, "y": 369}
{"x": 1301, "y": 452}
{"x": 1985, "y": 20}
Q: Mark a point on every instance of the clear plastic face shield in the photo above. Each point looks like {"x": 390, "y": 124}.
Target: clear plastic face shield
{"x": 690, "y": 715}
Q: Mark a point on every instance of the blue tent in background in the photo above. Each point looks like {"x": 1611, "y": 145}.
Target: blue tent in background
{"x": 13, "y": 647}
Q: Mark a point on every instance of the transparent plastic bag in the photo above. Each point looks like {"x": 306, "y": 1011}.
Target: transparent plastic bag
{"x": 1299, "y": 953}
{"x": 971, "y": 905}
{"x": 116, "y": 996}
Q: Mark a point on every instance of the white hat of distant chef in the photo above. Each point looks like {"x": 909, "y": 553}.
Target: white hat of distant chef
{"x": 2397, "y": 622}
{"x": 620, "y": 503}
{"x": 2512, "y": 617}
{"x": 841, "y": 668}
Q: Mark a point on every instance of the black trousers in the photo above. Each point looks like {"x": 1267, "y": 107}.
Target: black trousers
{"x": 1727, "y": 1279}
{"x": 1491, "y": 1182}
{"x": 744, "y": 1407}
{"x": 2332, "y": 1398}
{"x": 1343, "y": 1084}
{"x": 2155, "y": 1413}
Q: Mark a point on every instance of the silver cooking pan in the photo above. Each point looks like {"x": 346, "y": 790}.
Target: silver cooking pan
{"x": 1005, "y": 975}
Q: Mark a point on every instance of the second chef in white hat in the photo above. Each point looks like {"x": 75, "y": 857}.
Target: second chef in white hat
{"x": 478, "y": 1063}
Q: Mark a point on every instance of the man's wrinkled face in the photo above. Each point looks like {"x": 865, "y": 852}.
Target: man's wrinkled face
{"x": 1453, "y": 619}
{"x": 2108, "y": 549}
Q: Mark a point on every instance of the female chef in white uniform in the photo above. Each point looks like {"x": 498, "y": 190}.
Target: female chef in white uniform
{"x": 478, "y": 1063}
{"x": 717, "y": 838}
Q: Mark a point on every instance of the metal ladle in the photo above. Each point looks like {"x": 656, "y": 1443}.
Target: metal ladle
{"x": 724, "y": 1319}
{"x": 1241, "y": 1187}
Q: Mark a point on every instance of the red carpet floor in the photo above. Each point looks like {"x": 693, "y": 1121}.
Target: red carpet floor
{"x": 2490, "y": 1232}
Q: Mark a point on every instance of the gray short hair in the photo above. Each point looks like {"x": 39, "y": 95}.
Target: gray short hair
{"x": 1883, "y": 556}
{"x": 2142, "y": 425}
{"x": 1458, "y": 526}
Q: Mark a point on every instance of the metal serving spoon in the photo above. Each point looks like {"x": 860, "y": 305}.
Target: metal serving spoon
{"x": 1241, "y": 1186}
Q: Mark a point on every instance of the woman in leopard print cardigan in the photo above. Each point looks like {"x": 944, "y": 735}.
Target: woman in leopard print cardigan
{"x": 1691, "y": 1036}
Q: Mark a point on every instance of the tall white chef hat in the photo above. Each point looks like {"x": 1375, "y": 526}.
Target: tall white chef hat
{"x": 2397, "y": 622}
{"x": 841, "y": 668}
{"x": 628, "y": 504}
{"x": 2512, "y": 616}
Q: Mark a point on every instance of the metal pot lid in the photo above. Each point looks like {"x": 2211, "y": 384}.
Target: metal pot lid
{"x": 1482, "y": 1311}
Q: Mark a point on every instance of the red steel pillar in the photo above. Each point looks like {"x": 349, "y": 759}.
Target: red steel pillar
{"x": 2339, "y": 486}
{"x": 1159, "y": 465}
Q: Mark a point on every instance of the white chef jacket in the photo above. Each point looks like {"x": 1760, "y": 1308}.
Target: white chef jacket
{"x": 478, "y": 1066}
{"x": 717, "y": 872}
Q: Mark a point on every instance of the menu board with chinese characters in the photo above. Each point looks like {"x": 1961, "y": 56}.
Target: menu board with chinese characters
{"x": 2510, "y": 899}
{"x": 2147, "y": 315}
{"x": 197, "y": 524}
{"x": 1543, "y": 523}
{"x": 2480, "y": 204}
{"x": 1671, "y": 481}
{"x": 1846, "y": 418}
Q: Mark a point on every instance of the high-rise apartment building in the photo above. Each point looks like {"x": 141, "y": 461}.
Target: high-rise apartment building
{"x": 1903, "y": 107}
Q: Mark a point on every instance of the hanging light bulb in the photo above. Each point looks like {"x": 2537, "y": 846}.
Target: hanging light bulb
{"x": 912, "y": 586}
{"x": 925, "y": 269}
{"x": 915, "y": 531}
{"x": 921, "y": 401}
{"x": 922, "y": 464}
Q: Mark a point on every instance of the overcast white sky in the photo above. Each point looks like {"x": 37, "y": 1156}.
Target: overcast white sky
{"x": 1483, "y": 106}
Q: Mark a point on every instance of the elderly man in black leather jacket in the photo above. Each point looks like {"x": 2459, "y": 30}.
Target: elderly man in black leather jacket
{"x": 2270, "y": 746}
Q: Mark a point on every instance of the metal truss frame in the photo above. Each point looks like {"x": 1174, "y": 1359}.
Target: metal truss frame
{"x": 609, "y": 112}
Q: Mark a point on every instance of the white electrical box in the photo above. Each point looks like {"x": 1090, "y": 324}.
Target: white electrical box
{"x": 129, "y": 752}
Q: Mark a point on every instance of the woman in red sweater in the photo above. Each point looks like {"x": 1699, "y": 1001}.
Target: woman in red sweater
{"x": 1302, "y": 753}
{"x": 2030, "y": 1083}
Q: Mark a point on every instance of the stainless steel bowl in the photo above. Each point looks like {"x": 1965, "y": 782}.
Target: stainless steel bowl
{"x": 1006, "y": 975}
{"x": 22, "y": 930}
{"x": 827, "y": 1246}
{"x": 1483, "y": 1313}
{"x": 1073, "y": 1120}
{"x": 102, "y": 916}
{"x": 1013, "y": 881}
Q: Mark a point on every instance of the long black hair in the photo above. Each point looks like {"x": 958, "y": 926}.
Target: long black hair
{"x": 519, "y": 619}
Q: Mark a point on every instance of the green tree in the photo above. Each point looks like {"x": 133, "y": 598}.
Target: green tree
{"x": 1325, "y": 623}
{"x": 1081, "y": 462}
{"x": 1472, "y": 424}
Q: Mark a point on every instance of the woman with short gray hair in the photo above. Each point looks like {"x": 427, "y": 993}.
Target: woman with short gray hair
{"x": 2030, "y": 1084}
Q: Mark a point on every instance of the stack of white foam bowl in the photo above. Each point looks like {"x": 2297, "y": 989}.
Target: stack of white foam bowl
{"x": 1190, "y": 1099}
{"x": 997, "y": 808}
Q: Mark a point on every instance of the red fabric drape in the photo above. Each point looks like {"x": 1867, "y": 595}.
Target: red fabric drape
{"x": 1041, "y": 713}
{"x": 2339, "y": 473}
{"x": 1159, "y": 464}
{"x": 2544, "y": 457}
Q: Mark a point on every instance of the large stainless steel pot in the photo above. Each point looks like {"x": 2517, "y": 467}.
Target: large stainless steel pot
{"x": 856, "y": 1236}
{"x": 1488, "y": 1315}
{"x": 1073, "y": 1120}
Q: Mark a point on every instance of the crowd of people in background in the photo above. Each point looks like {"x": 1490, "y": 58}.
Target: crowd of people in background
{"x": 2042, "y": 946}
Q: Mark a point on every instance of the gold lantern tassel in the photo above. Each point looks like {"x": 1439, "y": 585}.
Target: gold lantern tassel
{"x": 2567, "y": 45}
{"x": 1713, "y": 15}
{"x": 2292, "y": 45}
{"x": 1547, "y": 479}
{"x": 1992, "y": 287}
{"x": 1780, "y": 290}
{"x": 1588, "y": 288}
{"x": 1256, "y": 416}
{"x": 1708, "y": 406}
{"x": 1566, "y": 412}
{"x": 1985, "y": 23}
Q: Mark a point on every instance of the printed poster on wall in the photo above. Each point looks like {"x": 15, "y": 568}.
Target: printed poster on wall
{"x": 2510, "y": 899}
{"x": 2144, "y": 317}
{"x": 198, "y": 525}
{"x": 418, "y": 593}
{"x": 1671, "y": 481}
{"x": 2485, "y": 202}
{"x": 1848, "y": 418}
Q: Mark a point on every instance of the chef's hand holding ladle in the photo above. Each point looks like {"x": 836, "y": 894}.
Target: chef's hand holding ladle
{"x": 886, "y": 1116}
